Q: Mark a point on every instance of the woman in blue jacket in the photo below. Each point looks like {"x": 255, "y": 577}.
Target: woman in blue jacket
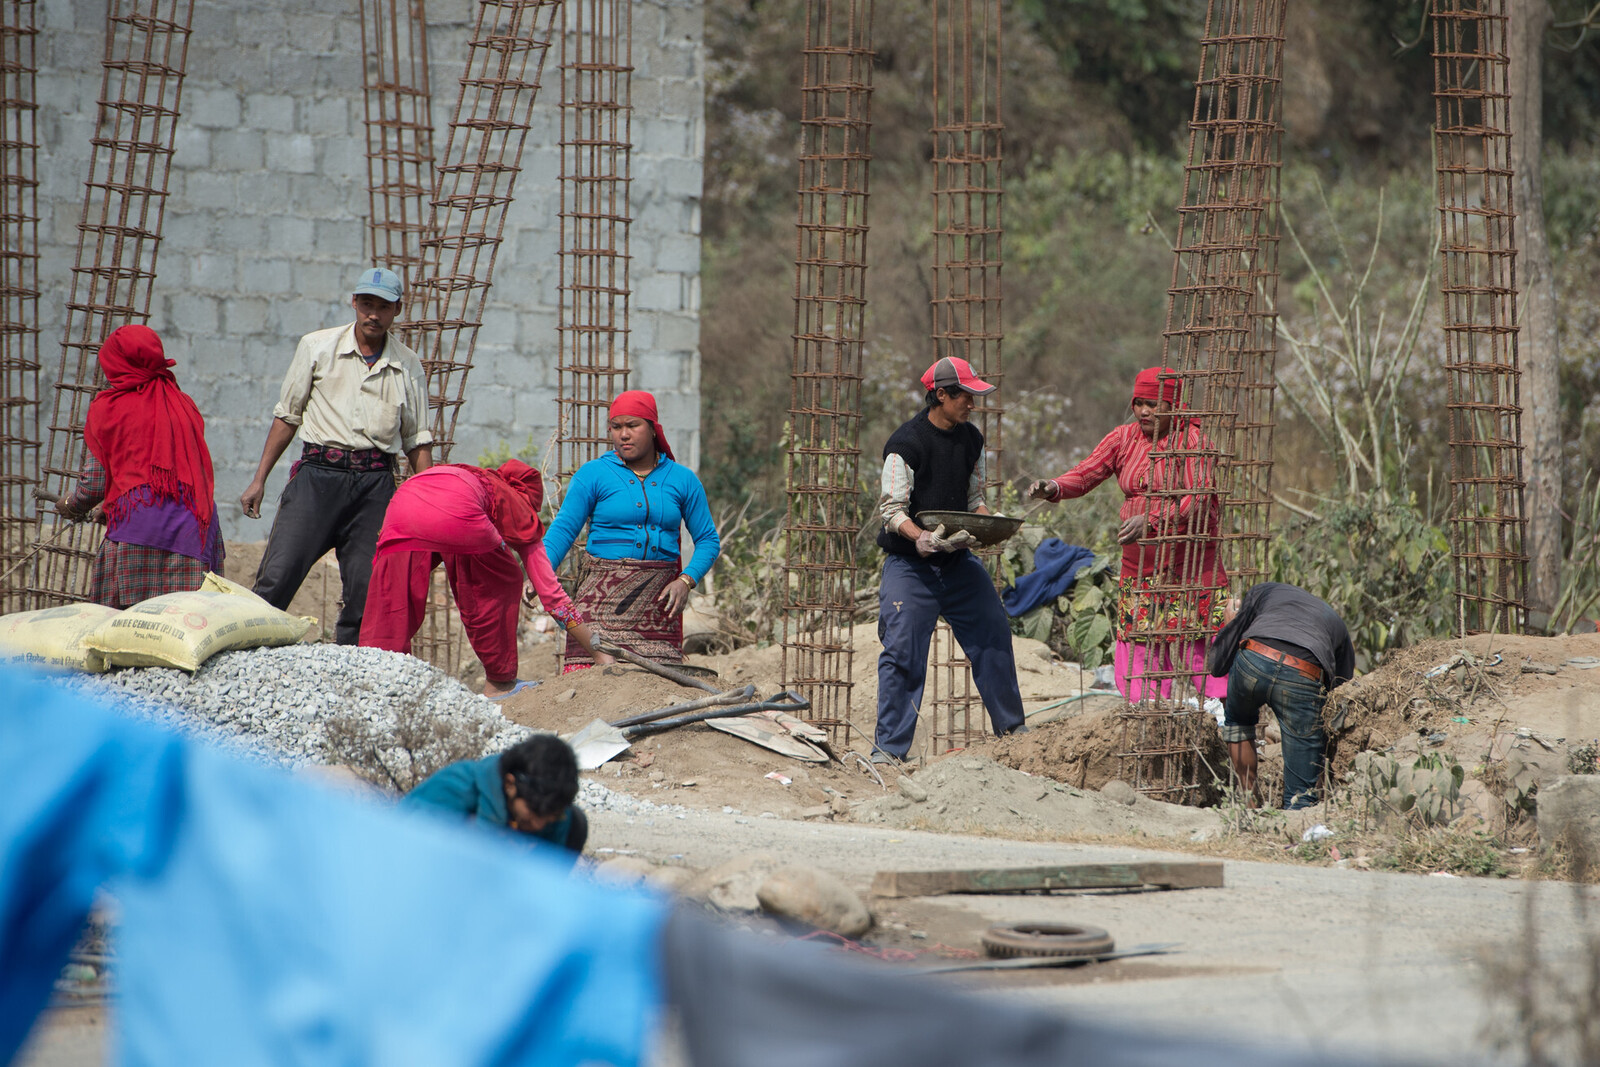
{"x": 635, "y": 498}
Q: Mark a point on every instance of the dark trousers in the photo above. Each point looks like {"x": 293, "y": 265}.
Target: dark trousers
{"x": 323, "y": 508}
{"x": 912, "y": 595}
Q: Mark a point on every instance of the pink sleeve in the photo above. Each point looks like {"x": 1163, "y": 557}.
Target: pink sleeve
{"x": 552, "y": 597}
{"x": 1095, "y": 468}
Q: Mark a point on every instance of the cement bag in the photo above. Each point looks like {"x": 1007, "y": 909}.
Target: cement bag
{"x": 183, "y": 630}
{"x": 52, "y": 638}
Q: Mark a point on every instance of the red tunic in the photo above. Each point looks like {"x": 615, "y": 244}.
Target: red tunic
{"x": 1126, "y": 452}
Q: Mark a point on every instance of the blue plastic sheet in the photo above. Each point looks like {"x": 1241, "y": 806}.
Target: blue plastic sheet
{"x": 264, "y": 920}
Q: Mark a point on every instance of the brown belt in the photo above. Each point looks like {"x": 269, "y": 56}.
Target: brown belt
{"x": 1304, "y": 666}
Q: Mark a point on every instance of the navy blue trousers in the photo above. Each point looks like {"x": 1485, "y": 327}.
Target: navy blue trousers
{"x": 912, "y": 596}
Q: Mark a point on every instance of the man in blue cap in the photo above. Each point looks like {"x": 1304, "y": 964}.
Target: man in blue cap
{"x": 359, "y": 400}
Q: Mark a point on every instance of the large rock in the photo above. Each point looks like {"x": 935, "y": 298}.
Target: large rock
{"x": 1119, "y": 791}
{"x": 1569, "y": 815}
{"x": 816, "y": 898}
{"x": 732, "y": 886}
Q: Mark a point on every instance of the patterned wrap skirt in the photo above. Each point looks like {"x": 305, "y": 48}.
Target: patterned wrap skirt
{"x": 124, "y": 574}
{"x": 1145, "y": 614}
{"x": 619, "y": 597}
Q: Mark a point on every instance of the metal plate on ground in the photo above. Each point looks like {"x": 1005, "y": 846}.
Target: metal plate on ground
{"x": 777, "y": 732}
{"x": 985, "y": 529}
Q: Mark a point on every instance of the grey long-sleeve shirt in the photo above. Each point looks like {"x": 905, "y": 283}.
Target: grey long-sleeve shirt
{"x": 1280, "y": 612}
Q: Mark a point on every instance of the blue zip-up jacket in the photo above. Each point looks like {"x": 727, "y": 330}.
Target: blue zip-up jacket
{"x": 635, "y": 518}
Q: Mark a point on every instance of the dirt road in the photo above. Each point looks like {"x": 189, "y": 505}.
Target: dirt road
{"x": 1298, "y": 957}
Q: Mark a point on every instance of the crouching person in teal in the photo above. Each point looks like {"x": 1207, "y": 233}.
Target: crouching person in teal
{"x": 527, "y": 789}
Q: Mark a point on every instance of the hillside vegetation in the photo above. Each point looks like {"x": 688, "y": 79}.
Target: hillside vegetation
{"x": 1095, "y": 98}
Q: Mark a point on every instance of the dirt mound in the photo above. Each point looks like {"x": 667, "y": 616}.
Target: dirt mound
{"x": 968, "y": 793}
{"x": 1080, "y": 750}
{"x": 1480, "y": 687}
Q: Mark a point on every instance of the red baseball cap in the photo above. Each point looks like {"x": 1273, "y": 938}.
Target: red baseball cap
{"x": 953, "y": 373}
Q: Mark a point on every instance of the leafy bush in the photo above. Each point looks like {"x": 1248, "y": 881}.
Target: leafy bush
{"x": 1427, "y": 789}
{"x": 1382, "y": 566}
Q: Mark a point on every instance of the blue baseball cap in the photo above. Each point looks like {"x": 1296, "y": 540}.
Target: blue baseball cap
{"x": 378, "y": 281}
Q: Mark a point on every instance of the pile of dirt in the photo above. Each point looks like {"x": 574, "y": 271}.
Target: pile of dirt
{"x": 1514, "y": 711}
{"x": 1545, "y": 685}
{"x": 1080, "y": 750}
{"x": 969, "y": 793}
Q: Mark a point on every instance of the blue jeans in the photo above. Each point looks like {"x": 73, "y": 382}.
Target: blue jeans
{"x": 912, "y": 595}
{"x": 1297, "y": 702}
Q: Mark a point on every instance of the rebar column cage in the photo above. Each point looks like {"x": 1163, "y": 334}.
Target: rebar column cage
{"x": 1478, "y": 281}
{"x": 596, "y": 215}
{"x": 19, "y": 294}
{"x": 1219, "y": 342}
{"x": 400, "y": 186}
{"x": 966, "y": 303}
{"x": 473, "y": 190}
{"x": 399, "y": 123}
{"x": 830, "y": 306}
{"x": 119, "y": 234}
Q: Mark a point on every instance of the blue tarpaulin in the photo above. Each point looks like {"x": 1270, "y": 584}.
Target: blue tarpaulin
{"x": 263, "y": 920}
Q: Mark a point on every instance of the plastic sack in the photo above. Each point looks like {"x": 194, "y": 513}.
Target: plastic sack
{"x": 183, "y": 630}
{"x": 52, "y": 638}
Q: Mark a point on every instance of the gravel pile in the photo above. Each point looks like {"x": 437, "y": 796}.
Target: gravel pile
{"x": 278, "y": 702}
{"x": 276, "y": 705}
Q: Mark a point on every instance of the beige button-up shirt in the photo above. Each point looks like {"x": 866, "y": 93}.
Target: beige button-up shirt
{"x": 337, "y": 400}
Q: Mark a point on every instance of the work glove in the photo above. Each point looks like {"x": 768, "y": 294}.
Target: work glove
{"x": 934, "y": 540}
{"x": 1044, "y": 489}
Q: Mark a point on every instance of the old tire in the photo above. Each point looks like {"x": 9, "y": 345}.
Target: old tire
{"x": 1005, "y": 940}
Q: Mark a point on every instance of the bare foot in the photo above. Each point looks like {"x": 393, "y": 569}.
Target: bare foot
{"x": 498, "y": 689}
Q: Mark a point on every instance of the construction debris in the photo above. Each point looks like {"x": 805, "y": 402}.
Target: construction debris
{"x": 1198, "y": 875}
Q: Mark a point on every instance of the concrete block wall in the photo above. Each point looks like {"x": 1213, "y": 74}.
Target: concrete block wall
{"x": 266, "y": 222}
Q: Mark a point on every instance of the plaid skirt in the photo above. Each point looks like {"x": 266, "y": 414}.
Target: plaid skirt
{"x": 619, "y": 597}
{"x": 1146, "y": 615}
{"x": 124, "y": 574}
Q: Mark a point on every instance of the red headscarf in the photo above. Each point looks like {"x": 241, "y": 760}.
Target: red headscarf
{"x": 638, "y": 404}
{"x": 1158, "y": 384}
{"x": 145, "y": 430}
{"x": 515, "y": 493}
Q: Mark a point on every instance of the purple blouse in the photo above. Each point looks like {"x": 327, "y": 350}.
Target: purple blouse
{"x": 151, "y": 522}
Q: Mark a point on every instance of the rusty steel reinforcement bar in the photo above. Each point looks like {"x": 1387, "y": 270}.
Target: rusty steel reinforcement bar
{"x": 1478, "y": 283}
{"x": 19, "y": 294}
{"x": 400, "y": 186}
{"x": 1206, "y": 509}
{"x": 114, "y": 269}
{"x": 968, "y": 150}
{"x": 399, "y": 125}
{"x": 825, "y": 378}
{"x": 473, "y": 189}
{"x": 596, "y": 218}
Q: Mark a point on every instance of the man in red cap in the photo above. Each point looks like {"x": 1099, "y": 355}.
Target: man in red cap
{"x": 934, "y": 462}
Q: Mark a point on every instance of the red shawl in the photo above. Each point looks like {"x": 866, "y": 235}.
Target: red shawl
{"x": 146, "y": 431}
{"x": 515, "y": 493}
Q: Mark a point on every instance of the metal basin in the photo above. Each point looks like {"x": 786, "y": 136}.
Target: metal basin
{"x": 985, "y": 529}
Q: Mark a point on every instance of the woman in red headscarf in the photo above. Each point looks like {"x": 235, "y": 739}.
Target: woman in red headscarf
{"x": 1171, "y": 585}
{"x": 478, "y": 523}
{"x": 636, "y": 498}
{"x": 148, "y": 470}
